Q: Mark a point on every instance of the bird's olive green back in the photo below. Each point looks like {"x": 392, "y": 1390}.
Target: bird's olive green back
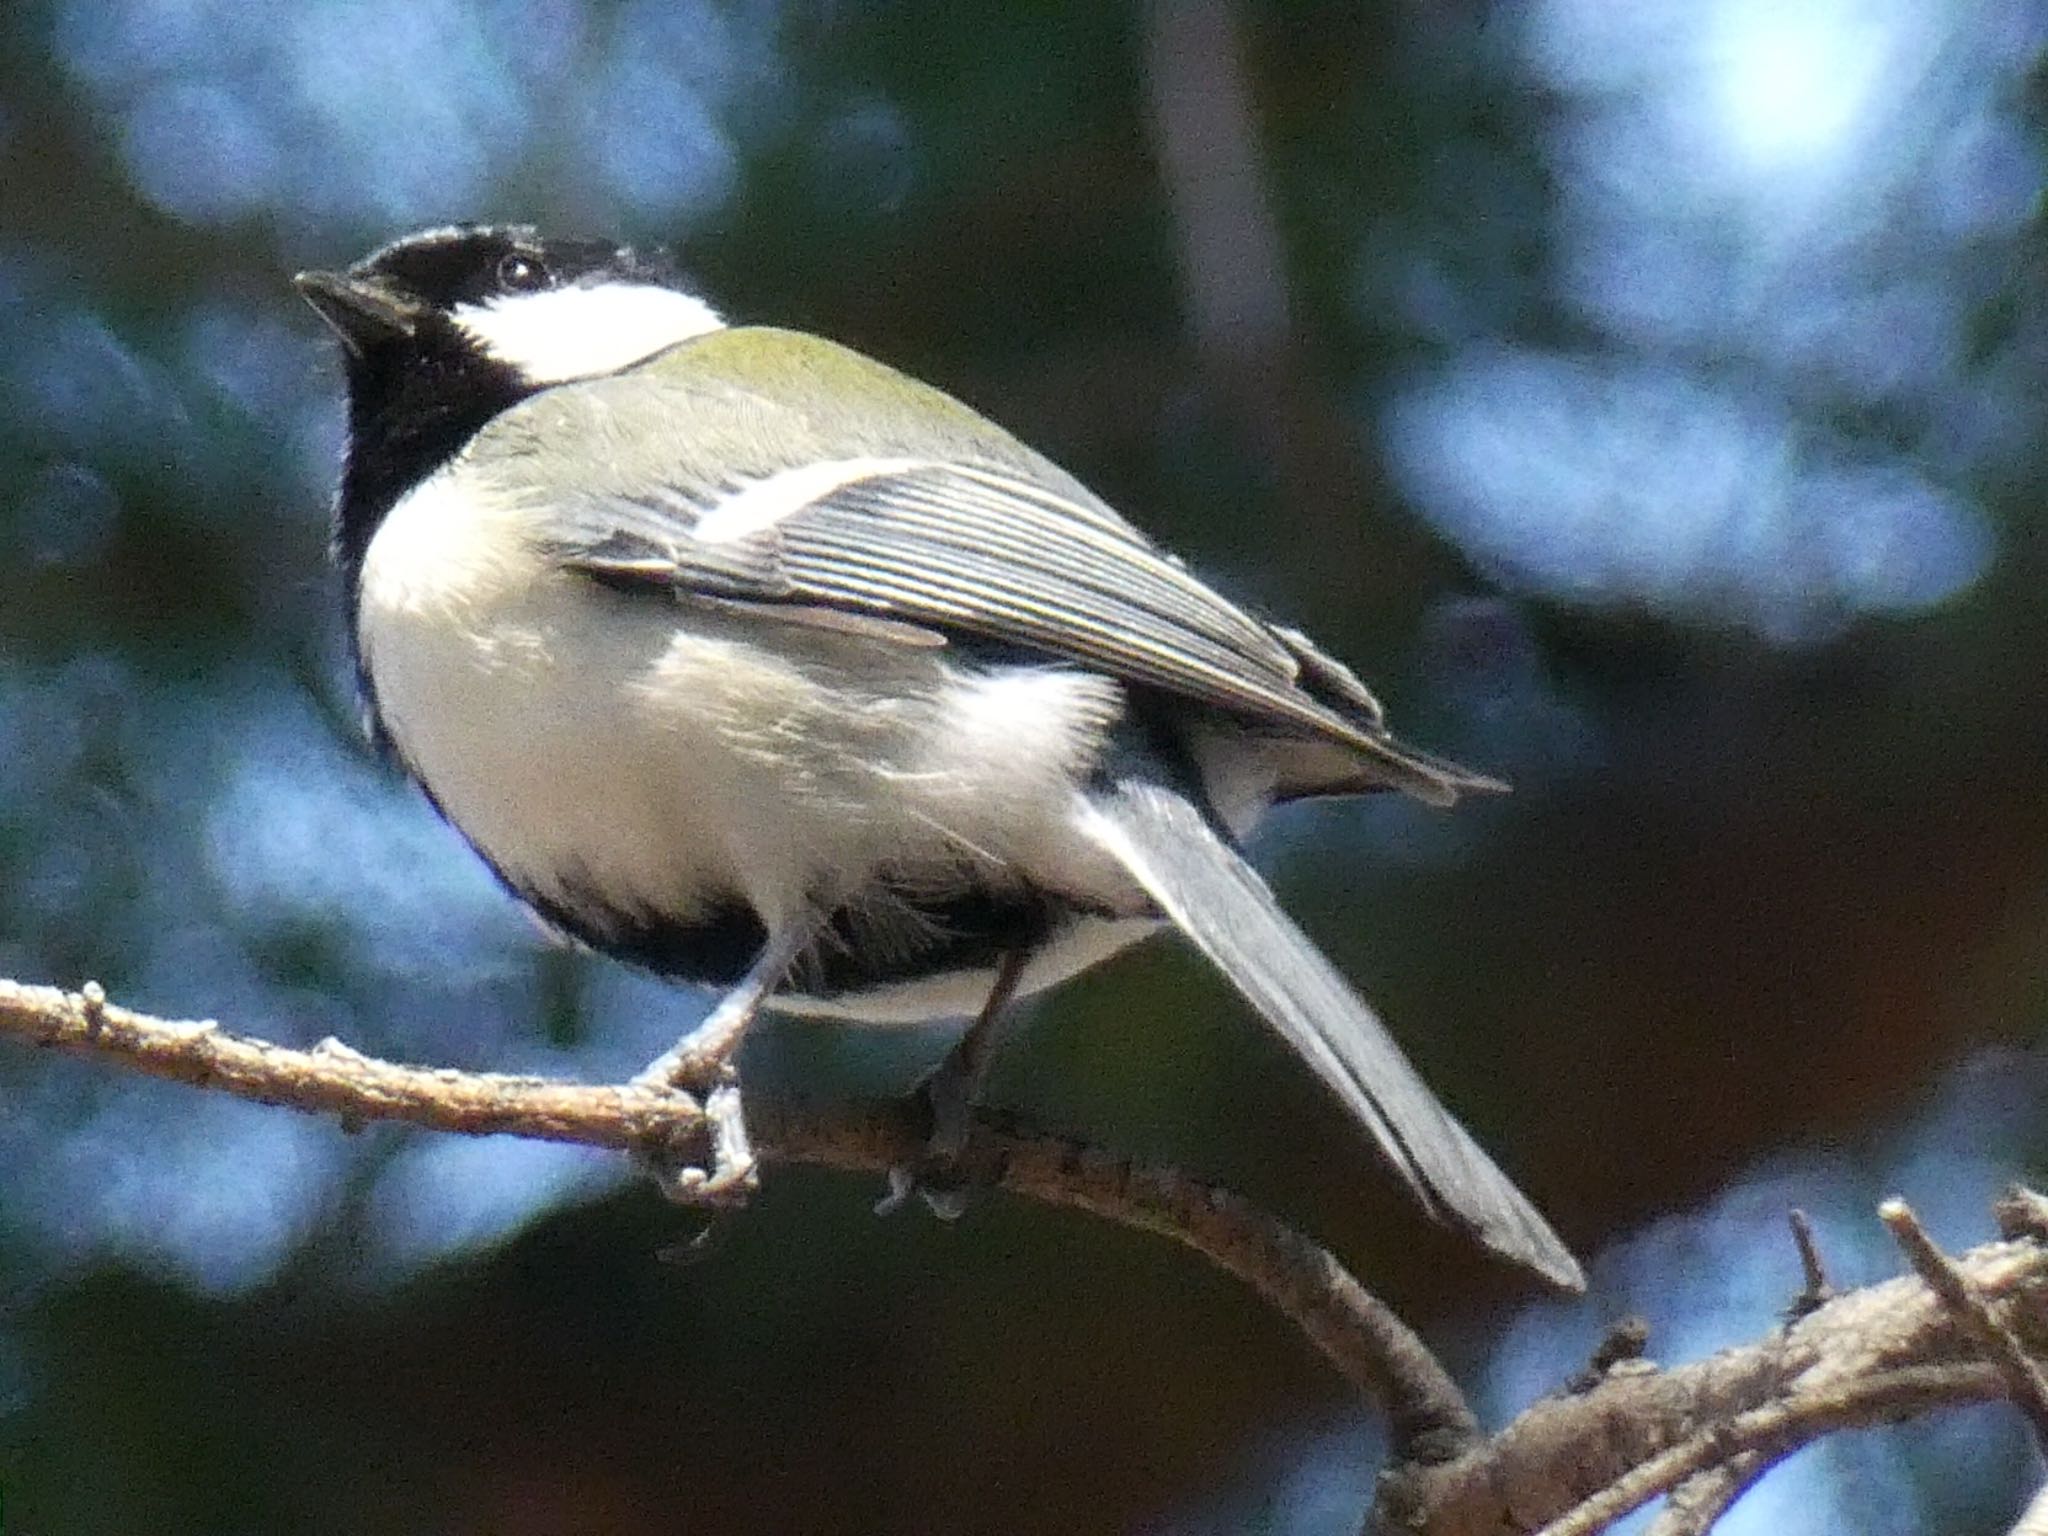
{"x": 742, "y": 404}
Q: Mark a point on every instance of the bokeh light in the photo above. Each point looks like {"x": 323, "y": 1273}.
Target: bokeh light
{"x": 1774, "y": 226}
{"x": 343, "y": 116}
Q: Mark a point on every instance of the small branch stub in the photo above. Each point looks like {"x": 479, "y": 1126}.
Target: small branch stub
{"x": 1624, "y": 1343}
{"x": 1974, "y": 1311}
{"x": 1816, "y": 1292}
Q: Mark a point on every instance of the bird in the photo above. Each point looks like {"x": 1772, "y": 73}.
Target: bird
{"x": 750, "y": 661}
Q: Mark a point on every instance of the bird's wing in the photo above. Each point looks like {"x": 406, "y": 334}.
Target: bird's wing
{"x": 1229, "y": 913}
{"x": 887, "y": 521}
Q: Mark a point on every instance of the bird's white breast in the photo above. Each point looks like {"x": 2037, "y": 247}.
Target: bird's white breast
{"x": 664, "y": 756}
{"x": 508, "y": 694}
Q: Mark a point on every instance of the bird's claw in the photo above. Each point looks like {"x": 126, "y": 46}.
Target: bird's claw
{"x": 942, "y": 1104}
{"x": 945, "y": 1195}
{"x": 730, "y": 1173}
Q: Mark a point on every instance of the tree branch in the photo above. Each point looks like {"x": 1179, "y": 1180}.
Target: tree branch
{"x": 1576, "y": 1463}
{"x": 1972, "y": 1308}
{"x": 1964, "y": 1329}
{"x": 1354, "y": 1330}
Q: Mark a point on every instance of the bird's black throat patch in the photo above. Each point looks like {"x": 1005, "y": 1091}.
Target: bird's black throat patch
{"x": 413, "y": 404}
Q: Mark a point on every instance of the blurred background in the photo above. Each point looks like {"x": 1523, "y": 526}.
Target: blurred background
{"x": 1647, "y": 397}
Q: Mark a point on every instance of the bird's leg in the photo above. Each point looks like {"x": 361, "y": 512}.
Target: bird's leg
{"x": 702, "y": 1063}
{"x": 948, "y": 1096}
{"x": 953, "y": 1088}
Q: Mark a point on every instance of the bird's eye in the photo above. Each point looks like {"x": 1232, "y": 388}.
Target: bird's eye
{"x": 522, "y": 274}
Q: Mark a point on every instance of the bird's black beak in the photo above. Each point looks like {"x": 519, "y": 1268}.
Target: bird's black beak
{"x": 362, "y": 310}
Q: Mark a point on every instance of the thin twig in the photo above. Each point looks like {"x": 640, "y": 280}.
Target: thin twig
{"x": 2023, "y": 1379}
{"x": 1705, "y": 1497}
{"x": 1875, "y": 1355}
{"x": 1352, "y": 1328}
{"x": 1816, "y": 1292}
{"x": 333, "y": 1079}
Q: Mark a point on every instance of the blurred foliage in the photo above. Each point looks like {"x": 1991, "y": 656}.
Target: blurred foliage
{"x": 1647, "y": 397}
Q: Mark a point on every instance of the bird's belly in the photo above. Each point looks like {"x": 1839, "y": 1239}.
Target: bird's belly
{"x": 523, "y": 725}
{"x": 643, "y": 771}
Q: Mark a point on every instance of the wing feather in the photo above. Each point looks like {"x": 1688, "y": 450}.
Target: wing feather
{"x": 976, "y": 550}
{"x": 963, "y": 532}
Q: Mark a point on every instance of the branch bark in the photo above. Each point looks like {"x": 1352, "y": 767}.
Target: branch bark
{"x": 1696, "y": 1503}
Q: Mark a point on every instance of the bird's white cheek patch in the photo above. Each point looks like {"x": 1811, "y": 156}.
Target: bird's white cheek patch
{"x": 581, "y": 333}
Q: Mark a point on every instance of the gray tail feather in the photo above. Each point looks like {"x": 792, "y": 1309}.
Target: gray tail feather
{"x": 1228, "y": 912}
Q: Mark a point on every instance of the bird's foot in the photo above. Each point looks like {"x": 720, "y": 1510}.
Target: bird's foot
{"x": 941, "y": 1104}
{"x": 719, "y": 1167}
{"x": 948, "y": 1202}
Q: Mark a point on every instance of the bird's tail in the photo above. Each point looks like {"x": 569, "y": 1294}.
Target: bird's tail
{"x": 1218, "y": 900}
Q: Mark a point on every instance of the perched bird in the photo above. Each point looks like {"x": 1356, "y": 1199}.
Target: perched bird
{"x": 745, "y": 659}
